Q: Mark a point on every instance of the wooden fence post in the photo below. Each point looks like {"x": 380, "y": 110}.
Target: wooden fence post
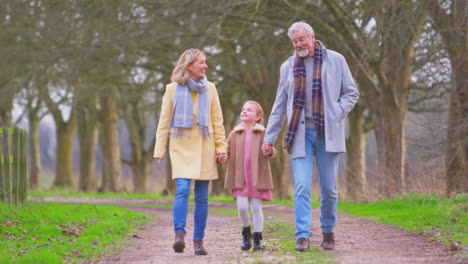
{"x": 13, "y": 165}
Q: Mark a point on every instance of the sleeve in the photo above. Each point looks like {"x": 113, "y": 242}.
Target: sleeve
{"x": 278, "y": 111}
{"x": 229, "y": 145}
{"x": 162, "y": 131}
{"x": 349, "y": 92}
{"x": 217, "y": 121}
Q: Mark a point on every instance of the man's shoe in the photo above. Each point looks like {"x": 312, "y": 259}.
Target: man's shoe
{"x": 199, "y": 248}
{"x": 302, "y": 244}
{"x": 328, "y": 241}
{"x": 179, "y": 243}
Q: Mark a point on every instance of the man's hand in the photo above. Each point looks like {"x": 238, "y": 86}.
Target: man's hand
{"x": 221, "y": 157}
{"x": 267, "y": 148}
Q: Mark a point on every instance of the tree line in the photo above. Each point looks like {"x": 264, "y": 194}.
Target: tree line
{"x": 91, "y": 64}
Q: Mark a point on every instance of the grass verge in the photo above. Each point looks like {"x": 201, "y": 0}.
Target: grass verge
{"x": 445, "y": 219}
{"x": 63, "y": 233}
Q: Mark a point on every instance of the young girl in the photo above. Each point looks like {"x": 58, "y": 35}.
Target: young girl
{"x": 248, "y": 172}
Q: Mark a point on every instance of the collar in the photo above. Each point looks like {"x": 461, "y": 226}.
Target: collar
{"x": 257, "y": 127}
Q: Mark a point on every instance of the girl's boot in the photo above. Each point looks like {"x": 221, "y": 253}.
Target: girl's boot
{"x": 247, "y": 236}
{"x": 257, "y": 238}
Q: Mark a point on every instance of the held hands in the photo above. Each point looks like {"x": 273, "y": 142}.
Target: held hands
{"x": 267, "y": 148}
{"x": 221, "y": 157}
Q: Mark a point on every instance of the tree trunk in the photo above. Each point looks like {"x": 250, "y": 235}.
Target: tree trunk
{"x": 88, "y": 137}
{"x": 394, "y": 129}
{"x": 170, "y": 183}
{"x": 112, "y": 179}
{"x": 356, "y": 156}
{"x": 6, "y": 106}
{"x": 64, "y": 162}
{"x": 451, "y": 23}
{"x": 5, "y": 117}
{"x": 280, "y": 169}
{"x": 456, "y": 155}
{"x": 140, "y": 175}
{"x": 217, "y": 186}
{"x": 35, "y": 154}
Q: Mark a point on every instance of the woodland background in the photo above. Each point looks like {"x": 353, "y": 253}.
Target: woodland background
{"x": 85, "y": 78}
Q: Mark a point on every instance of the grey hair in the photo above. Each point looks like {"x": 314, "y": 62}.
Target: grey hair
{"x": 298, "y": 25}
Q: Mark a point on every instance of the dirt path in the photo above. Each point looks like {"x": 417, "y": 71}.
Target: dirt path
{"x": 359, "y": 241}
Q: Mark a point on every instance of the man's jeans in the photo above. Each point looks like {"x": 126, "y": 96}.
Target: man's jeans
{"x": 327, "y": 165}
{"x": 180, "y": 207}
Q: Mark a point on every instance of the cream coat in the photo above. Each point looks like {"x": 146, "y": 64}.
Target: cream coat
{"x": 192, "y": 157}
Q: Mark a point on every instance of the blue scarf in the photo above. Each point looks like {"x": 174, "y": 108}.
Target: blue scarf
{"x": 182, "y": 115}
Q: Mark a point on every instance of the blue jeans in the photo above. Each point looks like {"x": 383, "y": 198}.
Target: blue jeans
{"x": 327, "y": 165}
{"x": 180, "y": 207}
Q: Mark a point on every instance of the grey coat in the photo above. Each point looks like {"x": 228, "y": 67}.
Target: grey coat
{"x": 340, "y": 94}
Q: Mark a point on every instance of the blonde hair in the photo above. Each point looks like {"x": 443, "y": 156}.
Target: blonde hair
{"x": 180, "y": 74}
{"x": 258, "y": 109}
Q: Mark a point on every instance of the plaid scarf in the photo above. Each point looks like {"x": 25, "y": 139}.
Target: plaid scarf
{"x": 299, "y": 72}
{"x": 182, "y": 115}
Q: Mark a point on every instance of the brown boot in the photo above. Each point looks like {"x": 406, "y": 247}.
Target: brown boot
{"x": 302, "y": 244}
{"x": 198, "y": 247}
{"x": 328, "y": 241}
{"x": 179, "y": 243}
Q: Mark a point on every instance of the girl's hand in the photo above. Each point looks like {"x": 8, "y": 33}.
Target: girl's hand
{"x": 221, "y": 157}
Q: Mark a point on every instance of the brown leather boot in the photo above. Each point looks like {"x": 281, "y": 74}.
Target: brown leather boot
{"x": 198, "y": 247}
{"x": 179, "y": 243}
{"x": 302, "y": 244}
{"x": 328, "y": 241}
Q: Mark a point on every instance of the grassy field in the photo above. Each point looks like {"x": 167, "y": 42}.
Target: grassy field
{"x": 57, "y": 233}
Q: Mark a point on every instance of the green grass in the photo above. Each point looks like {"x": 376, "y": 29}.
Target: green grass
{"x": 445, "y": 219}
{"x": 66, "y": 192}
{"x": 63, "y": 233}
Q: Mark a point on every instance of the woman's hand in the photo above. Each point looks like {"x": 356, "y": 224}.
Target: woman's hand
{"x": 221, "y": 157}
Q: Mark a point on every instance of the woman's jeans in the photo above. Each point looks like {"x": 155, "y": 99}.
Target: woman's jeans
{"x": 180, "y": 207}
{"x": 327, "y": 165}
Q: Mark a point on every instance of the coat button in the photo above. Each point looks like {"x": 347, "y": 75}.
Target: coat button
{"x": 302, "y": 122}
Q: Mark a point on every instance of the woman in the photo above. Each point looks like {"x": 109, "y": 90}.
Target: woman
{"x": 191, "y": 116}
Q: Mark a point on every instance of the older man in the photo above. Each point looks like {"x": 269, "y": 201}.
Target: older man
{"x": 316, "y": 91}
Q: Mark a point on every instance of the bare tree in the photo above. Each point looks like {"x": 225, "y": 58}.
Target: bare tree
{"x": 450, "y": 20}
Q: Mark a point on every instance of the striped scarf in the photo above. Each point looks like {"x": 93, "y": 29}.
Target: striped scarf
{"x": 299, "y": 72}
{"x": 182, "y": 115}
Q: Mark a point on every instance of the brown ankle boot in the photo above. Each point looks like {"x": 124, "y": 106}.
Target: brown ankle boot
{"x": 328, "y": 241}
{"x": 198, "y": 247}
{"x": 179, "y": 243}
{"x": 302, "y": 244}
